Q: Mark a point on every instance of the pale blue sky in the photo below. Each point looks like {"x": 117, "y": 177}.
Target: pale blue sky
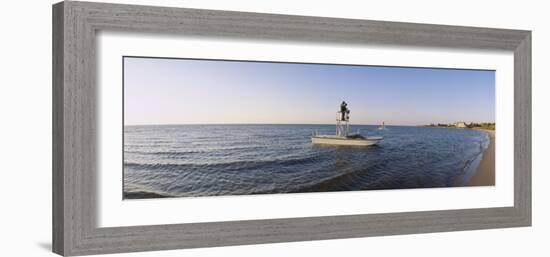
{"x": 182, "y": 91}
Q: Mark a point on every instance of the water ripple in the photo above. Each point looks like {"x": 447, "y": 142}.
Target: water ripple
{"x": 201, "y": 160}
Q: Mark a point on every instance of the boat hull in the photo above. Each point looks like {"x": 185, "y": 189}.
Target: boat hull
{"x": 345, "y": 141}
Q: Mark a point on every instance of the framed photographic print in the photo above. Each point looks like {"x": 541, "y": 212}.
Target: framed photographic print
{"x": 182, "y": 128}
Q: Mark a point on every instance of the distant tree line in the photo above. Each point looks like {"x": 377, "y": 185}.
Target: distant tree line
{"x": 482, "y": 125}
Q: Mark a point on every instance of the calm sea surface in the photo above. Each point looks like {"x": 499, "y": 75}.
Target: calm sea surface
{"x": 206, "y": 160}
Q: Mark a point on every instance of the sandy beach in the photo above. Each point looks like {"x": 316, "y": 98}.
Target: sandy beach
{"x": 485, "y": 175}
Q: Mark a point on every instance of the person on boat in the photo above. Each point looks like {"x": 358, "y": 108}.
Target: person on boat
{"x": 344, "y": 111}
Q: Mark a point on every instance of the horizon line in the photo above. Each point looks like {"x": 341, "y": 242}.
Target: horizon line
{"x": 253, "y": 123}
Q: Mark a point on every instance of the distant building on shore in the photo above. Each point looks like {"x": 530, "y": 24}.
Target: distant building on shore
{"x": 461, "y": 124}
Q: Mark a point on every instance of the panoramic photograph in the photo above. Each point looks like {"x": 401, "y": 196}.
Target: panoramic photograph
{"x": 200, "y": 127}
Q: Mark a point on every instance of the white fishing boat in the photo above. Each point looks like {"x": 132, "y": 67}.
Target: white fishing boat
{"x": 342, "y": 136}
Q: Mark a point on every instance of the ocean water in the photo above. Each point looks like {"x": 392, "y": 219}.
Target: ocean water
{"x": 211, "y": 160}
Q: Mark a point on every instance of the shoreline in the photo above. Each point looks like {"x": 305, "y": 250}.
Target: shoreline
{"x": 485, "y": 173}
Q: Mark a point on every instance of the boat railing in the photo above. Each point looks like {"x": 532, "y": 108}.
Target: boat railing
{"x": 342, "y": 126}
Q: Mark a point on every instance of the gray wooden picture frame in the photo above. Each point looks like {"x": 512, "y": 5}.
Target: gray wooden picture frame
{"x": 75, "y": 25}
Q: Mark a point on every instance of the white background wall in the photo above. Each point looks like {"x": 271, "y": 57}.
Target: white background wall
{"x": 25, "y": 128}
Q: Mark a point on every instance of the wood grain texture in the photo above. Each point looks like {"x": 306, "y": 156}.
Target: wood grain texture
{"x": 74, "y": 124}
{"x": 58, "y": 229}
{"x": 522, "y": 129}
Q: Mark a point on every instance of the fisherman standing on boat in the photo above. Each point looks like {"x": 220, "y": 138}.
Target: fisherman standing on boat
{"x": 344, "y": 111}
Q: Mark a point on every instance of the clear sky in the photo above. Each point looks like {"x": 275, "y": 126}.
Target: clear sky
{"x": 181, "y": 91}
